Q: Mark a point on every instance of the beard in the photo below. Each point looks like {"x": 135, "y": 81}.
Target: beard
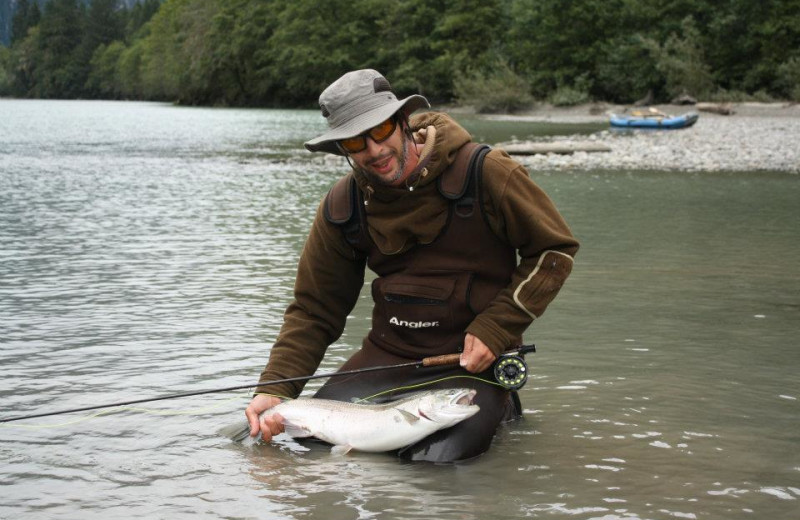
{"x": 390, "y": 179}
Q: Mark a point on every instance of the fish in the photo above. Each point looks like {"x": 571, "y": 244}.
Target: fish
{"x": 376, "y": 427}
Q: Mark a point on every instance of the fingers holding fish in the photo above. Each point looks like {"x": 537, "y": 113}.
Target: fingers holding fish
{"x": 270, "y": 425}
{"x": 268, "y": 428}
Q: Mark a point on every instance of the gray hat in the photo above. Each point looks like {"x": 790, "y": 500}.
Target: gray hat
{"x": 355, "y": 103}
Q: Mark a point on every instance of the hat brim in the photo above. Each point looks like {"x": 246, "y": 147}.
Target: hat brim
{"x": 363, "y": 122}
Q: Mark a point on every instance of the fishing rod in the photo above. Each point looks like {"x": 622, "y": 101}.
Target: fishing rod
{"x": 510, "y": 371}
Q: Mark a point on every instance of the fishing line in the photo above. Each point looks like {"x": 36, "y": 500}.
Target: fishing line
{"x": 219, "y": 390}
{"x": 151, "y": 411}
{"x": 205, "y": 409}
{"x": 426, "y": 383}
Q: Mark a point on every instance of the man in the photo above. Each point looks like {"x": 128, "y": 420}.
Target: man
{"x": 443, "y": 236}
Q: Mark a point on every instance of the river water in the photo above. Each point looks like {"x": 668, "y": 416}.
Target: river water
{"x": 147, "y": 249}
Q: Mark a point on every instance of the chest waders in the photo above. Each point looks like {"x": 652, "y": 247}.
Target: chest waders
{"x": 424, "y": 299}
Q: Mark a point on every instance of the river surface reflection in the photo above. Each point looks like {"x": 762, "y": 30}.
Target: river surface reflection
{"x": 147, "y": 249}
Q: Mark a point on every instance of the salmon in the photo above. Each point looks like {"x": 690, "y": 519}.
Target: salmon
{"x": 376, "y": 427}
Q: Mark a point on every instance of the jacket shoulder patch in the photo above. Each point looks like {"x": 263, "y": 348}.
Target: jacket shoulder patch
{"x": 454, "y": 181}
{"x": 339, "y": 200}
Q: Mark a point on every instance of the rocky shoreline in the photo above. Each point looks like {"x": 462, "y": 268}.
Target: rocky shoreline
{"x": 756, "y": 137}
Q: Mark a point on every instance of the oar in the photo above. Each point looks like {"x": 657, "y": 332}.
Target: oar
{"x": 447, "y": 359}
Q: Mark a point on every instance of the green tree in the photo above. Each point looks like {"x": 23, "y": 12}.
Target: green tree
{"x": 682, "y": 63}
{"x": 103, "y": 78}
{"x": 138, "y": 15}
{"x": 625, "y": 70}
{"x": 177, "y": 53}
{"x": 422, "y": 45}
{"x": 778, "y": 34}
{"x": 731, "y": 47}
{"x": 501, "y": 90}
{"x": 26, "y": 16}
{"x": 23, "y": 63}
{"x": 129, "y": 68}
{"x": 466, "y": 39}
{"x": 311, "y": 47}
{"x": 787, "y": 83}
{"x": 103, "y": 25}
{"x": 561, "y": 40}
{"x": 6, "y": 77}
{"x": 59, "y": 72}
{"x": 404, "y": 46}
{"x": 238, "y": 64}
{"x": 283, "y": 53}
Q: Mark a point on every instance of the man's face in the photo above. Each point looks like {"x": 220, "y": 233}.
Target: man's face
{"x": 385, "y": 162}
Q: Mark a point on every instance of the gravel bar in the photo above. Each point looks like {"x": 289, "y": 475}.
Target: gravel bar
{"x": 757, "y": 137}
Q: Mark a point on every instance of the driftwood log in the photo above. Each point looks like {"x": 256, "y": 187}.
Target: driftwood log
{"x": 723, "y": 109}
{"x": 564, "y": 148}
{"x": 684, "y": 99}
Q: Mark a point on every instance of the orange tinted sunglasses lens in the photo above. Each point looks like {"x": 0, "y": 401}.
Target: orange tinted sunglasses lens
{"x": 382, "y": 132}
{"x": 378, "y": 133}
{"x": 353, "y": 144}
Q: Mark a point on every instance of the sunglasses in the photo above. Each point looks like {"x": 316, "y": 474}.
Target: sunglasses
{"x": 378, "y": 133}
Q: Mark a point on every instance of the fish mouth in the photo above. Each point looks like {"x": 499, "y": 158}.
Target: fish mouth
{"x": 450, "y": 406}
{"x": 463, "y": 398}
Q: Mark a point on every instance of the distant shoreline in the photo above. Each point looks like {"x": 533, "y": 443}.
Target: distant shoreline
{"x": 756, "y": 137}
{"x": 587, "y": 112}
{"x": 599, "y": 112}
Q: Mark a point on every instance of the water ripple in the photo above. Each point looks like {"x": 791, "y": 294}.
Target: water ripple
{"x": 147, "y": 250}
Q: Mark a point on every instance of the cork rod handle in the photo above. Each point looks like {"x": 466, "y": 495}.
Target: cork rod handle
{"x": 437, "y": 361}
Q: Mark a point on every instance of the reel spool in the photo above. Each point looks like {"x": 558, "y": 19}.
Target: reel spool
{"x": 510, "y": 370}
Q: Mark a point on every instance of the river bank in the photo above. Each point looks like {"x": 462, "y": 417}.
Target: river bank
{"x": 756, "y": 137}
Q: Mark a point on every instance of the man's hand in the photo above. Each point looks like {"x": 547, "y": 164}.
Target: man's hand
{"x": 476, "y": 356}
{"x": 269, "y": 425}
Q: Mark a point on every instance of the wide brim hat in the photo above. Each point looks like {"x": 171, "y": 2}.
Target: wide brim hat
{"x": 356, "y": 102}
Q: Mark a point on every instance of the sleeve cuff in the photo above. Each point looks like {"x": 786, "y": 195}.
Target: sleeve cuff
{"x": 492, "y": 335}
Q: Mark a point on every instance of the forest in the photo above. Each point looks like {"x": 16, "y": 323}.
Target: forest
{"x": 495, "y": 55}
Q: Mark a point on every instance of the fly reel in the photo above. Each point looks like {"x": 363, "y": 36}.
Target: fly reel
{"x": 511, "y": 370}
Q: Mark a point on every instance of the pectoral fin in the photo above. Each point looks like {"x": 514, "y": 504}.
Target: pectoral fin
{"x": 296, "y": 430}
{"x": 409, "y": 417}
{"x": 341, "y": 449}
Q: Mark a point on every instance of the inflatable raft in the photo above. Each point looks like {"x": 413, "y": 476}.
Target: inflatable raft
{"x": 656, "y": 121}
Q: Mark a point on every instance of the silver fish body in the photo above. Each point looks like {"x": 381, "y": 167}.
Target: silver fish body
{"x": 376, "y": 427}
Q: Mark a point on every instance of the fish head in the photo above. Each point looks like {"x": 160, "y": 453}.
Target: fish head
{"x": 448, "y": 407}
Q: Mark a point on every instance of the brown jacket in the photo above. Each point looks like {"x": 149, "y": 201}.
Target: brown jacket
{"x": 331, "y": 273}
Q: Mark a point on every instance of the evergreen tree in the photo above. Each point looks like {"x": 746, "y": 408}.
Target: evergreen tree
{"x": 19, "y": 24}
{"x": 283, "y": 53}
{"x": 103, "y": 25}
{"x": 59, "y": 72}
{"x": 138, "y": 15}
{"x": 239, "y": 65}
{"x": 27, "y": 15}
